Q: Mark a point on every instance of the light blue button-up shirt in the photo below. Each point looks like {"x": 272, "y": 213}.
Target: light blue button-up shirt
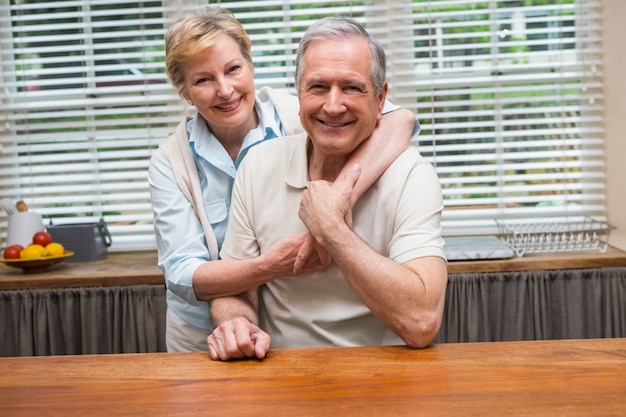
{"x": 180, "y": 239}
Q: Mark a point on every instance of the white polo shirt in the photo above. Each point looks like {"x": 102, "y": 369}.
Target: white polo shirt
{"x": 399, "y": 217}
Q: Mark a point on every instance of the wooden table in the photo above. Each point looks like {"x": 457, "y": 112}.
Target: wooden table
{"x": 543, "y": 378}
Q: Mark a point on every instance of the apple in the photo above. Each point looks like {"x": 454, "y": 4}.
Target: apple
{"x": 12, "y": 252}
{"x": 42, "y": 238}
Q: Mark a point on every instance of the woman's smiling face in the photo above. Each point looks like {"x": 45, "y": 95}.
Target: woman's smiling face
{"x": 220, "y": 84}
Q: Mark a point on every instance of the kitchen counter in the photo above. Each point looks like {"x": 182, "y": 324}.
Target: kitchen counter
{"x": 140, "y": 268}
{"x": 119, "y": 268}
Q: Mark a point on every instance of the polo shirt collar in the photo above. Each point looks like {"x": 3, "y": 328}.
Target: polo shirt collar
{"x": 297, "y": 174}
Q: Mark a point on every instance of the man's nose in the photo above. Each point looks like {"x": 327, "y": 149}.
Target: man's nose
{"x": 334, "y": 103}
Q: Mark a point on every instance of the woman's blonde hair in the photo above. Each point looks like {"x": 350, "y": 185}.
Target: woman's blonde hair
{"x": 199, "y": 30}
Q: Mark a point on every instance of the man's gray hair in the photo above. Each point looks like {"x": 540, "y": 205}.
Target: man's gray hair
{"x": 343, "y": 28}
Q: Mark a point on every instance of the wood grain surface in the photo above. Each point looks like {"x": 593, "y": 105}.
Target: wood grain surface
{"x": 539, "y": 378}
{"x": 119, "y": 268}
{"x": 140, "y": 268}
{"x": 565, "y": 260}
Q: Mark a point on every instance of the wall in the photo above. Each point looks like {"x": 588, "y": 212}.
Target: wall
{"x": 614, "y": 16}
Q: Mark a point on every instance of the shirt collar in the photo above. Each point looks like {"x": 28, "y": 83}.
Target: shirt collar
{"x": 205, "y": 144}
{"x": 297, "y": 175}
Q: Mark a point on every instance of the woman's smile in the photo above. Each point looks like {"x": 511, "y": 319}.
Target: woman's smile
{"x": 229, "y": 106}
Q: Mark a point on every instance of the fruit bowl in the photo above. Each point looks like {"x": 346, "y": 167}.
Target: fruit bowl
{"x": 36, "y": 265}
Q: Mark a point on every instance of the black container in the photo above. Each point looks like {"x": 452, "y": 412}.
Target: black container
{"x": 88, "y": 241}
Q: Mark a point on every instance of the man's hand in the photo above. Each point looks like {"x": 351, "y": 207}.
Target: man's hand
{"x": 236, "y": 339}
{"x": 325, "y": 205}
{"x": 311, "y": 252}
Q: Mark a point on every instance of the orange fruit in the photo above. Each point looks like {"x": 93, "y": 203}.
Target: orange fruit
{"x": 54, "y": 249}
{"x": 33, "y": 251}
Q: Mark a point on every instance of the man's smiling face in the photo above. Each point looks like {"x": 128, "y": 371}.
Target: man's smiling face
{"x": 339, "y": 107}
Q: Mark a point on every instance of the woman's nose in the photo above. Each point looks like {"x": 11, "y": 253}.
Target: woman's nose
{"x": 224, "y": 88}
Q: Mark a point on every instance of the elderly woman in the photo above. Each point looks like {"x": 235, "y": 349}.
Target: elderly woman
{"x": 192, "y": 173}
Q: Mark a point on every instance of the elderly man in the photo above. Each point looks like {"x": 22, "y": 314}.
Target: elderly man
{"x": 388, "y": 278}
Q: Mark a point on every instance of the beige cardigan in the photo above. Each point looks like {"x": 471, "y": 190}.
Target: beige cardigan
{"x": 177, "y": 150}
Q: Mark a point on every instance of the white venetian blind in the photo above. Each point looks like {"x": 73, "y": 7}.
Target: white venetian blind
{"x": 508, "y": 94}
{"x": 85, "y": 101}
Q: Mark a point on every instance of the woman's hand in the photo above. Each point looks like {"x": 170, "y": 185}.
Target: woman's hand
{"x": 296, "y": 254}
{"x": 311, "y": 254}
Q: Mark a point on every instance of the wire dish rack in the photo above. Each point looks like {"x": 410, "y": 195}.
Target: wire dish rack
{"x": 555, "y": 235}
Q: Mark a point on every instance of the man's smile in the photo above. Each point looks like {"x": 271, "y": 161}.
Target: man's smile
{"x": 333, "y": 124}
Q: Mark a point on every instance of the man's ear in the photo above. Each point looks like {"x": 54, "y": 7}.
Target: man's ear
{"x": 382, "y": 96}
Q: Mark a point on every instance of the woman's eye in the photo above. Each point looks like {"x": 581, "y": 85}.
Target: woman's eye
{"x": 234, "y": 68}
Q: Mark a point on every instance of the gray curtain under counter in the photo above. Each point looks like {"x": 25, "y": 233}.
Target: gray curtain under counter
{"x": 480, "y": 307}
{"x": 535, "y": 305}
{"x": 90, "y": 320}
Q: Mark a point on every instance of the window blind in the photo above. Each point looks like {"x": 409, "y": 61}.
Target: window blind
{"x": 85, "y": 102}
{"x": 508, "y": 93}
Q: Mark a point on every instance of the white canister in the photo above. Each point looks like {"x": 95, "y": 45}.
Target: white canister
{"x": 22, "y": 227}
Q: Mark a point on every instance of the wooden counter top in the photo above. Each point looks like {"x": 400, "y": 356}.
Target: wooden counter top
{"x": 538, "y": 378}
{"x": 140, "y": 268}
{"x": 128, "y": 268}
{"x": 573, "y": 260}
